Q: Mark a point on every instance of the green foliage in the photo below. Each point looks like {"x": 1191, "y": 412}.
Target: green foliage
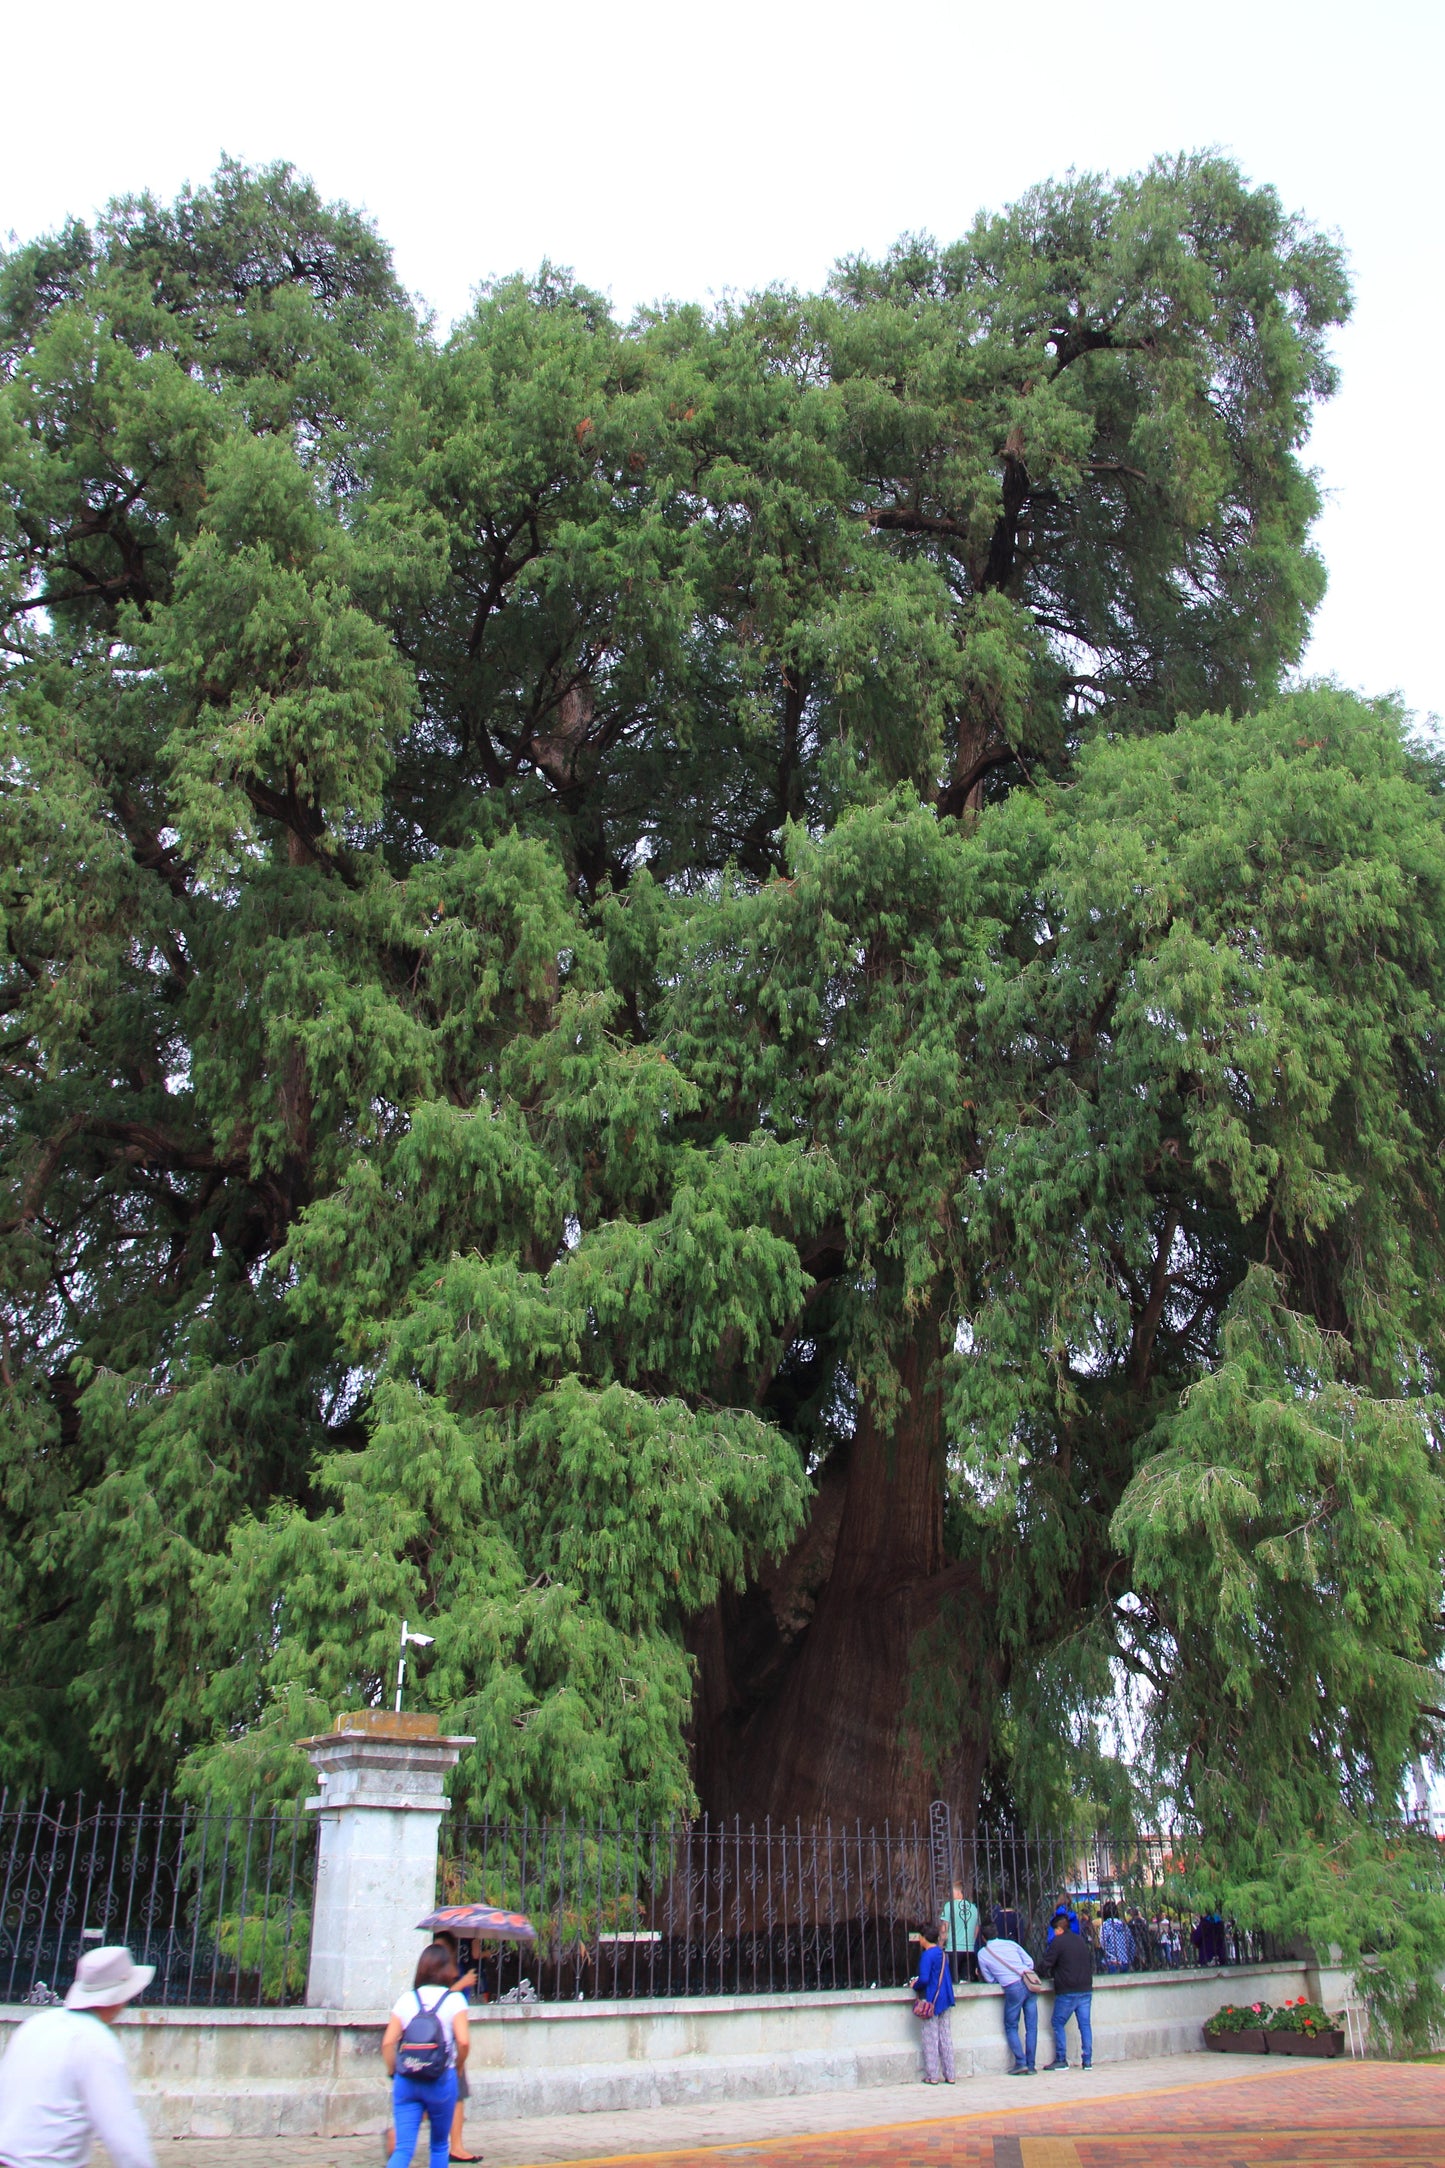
{"x": 1284, "y": 1530}
{"x": 555, "y": 1611}
{"x": 273, "y": 1942}
{"x": 1286, "y": 1534}
{"x": 577, "y": 1886}
{"x": 1234, "y": 2017}
{"x": 1301, "y": 2016}
{"x": 1373, "y": 1893}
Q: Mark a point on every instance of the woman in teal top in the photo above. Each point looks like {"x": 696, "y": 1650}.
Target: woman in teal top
{"x": 960, "y": 1933}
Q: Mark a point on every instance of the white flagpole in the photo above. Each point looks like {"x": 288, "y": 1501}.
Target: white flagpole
{"x": 420, "y": 1641}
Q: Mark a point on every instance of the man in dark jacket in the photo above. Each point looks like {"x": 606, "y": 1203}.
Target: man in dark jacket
{"x": 1207, "y": 1935}
{"x": 1069, "y": 1963}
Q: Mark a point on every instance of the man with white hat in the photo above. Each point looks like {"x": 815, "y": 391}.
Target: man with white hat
{"x": 63, "y": 2081}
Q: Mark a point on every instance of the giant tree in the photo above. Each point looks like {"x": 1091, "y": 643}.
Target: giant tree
{"x": 631, "y": 1024}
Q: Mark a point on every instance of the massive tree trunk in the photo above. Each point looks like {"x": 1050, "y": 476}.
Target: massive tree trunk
{"x": 805, "y": 1681}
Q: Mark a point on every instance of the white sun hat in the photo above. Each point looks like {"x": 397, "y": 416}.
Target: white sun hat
{"x": 106, "y": 1978}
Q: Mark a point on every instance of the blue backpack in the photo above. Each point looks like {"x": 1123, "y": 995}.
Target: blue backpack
{"x": 422, "y": 2052}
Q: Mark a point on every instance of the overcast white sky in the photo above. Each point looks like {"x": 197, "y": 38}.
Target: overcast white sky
{"x": 659, "y": 149}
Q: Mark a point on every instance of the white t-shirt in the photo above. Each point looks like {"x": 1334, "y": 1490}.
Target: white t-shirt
{"x": 63, "y": 2084}
{"x": 446, "y": 2002}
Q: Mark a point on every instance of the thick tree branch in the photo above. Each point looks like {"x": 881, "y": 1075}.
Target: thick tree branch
{"x": 954, "y": 797}
{"x": 144, "y": 1142}
{"x": 1147, "y": 1324}
{"x": 147, "y": 848}
{"x": 902, "y": 519}
{"x": 305, "y": 823}
{"x": 32, "y": 1195}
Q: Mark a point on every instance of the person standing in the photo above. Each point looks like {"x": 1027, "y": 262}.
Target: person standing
{"x": 1007, "y": 1964}
{"x": 1207, "y": 1935}
{"x": 960, "y": 1933}
{"x": 1142, "y": 1941}
{"x": 934, "y": 1987}
{"x": 427, "y": 2040}
{"x": 63, "y": 2082}
{"x": 1069, "y": 1963}
{"x": 460, "y": 1986}
{"x": 1116, "y": 1941}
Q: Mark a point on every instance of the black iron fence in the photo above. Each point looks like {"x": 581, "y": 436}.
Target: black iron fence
{"x": 218, "y": 1900}
{"x": 716, "y": 1908}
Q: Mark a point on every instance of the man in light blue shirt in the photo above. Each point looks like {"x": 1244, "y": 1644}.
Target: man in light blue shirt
{"x": 1007, "y": 1965}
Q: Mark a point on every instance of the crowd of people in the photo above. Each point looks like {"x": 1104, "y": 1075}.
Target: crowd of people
{"x": 1066, "y": 1964}
{"x": 1083, "y": 1939}
{"x": 1124, "y": 1939}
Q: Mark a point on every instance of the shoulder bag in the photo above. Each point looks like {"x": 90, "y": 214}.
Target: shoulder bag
{"x": 1027, "y": 1978}
{"x": 923, "y": 2008}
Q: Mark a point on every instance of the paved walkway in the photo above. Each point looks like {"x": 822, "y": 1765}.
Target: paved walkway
{"x": 1189, "y": 2111}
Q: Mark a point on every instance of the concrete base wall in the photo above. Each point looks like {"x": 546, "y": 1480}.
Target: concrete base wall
{"x": 299, "y": 2073}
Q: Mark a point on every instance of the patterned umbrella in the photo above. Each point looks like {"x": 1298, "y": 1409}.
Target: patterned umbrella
{"x": 482, "y": 1920}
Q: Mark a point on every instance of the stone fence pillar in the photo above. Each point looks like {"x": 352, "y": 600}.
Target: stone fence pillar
{"x": 380, "y": 1806}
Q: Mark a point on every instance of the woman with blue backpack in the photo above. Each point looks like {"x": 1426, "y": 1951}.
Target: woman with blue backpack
{"x": 426, "y": 2042}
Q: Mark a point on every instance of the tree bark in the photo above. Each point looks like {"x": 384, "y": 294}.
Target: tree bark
{"x": 804, "y": 1682}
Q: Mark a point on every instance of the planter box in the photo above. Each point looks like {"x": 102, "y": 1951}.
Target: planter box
{"x": 1241, "y": 2043}
{"x": 1293, "y": 2043}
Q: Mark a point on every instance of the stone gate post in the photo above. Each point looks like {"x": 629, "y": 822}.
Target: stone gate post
{"x": 379, "y": 1805}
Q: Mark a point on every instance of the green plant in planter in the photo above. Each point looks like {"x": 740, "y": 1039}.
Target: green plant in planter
{"x": 1301, "y": 2016}
{"x": 1241, "y": 2017}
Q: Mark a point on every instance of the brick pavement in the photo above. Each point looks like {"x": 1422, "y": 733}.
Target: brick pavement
{"x": 1190, "y": 2112}
{"x": 1362, "y": 2115}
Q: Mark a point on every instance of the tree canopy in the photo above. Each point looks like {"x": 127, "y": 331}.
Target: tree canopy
{"x": 685, "y": 997}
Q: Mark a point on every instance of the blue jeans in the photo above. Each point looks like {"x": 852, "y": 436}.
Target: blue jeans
{"x": 1016, "y": 1997}
{"x": 411, "y": 2099}
{"x": 1081, "y": 2007}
